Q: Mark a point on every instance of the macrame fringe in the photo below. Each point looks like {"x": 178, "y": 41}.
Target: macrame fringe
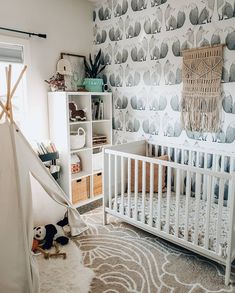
{"x": 200, "y": 114}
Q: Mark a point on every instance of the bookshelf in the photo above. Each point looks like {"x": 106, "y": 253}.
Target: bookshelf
{"x": 85, "y": 186}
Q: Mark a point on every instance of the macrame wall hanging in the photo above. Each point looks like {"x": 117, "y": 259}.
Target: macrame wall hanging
{"x": 201, "y": 96}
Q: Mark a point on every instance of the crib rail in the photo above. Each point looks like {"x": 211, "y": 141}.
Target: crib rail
{"x": 179, "y": 201}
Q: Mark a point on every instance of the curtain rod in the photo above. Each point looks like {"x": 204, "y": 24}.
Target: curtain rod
{"x": 44, "y": 36}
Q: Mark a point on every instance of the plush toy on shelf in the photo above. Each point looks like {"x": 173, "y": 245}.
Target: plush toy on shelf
{"x": 50, "y": 233}
{"x": 75, "y": 113}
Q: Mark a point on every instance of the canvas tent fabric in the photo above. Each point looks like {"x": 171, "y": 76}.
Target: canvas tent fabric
{"x": 18, "y": 269}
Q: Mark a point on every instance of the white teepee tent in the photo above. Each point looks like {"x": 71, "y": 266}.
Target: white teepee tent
{"x": 18, "y": 269}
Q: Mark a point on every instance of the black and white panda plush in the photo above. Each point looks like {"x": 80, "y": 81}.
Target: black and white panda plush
{"x": 49, "y": 233}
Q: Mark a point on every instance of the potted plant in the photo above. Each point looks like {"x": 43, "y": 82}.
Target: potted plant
{"x": 92, "y": 82}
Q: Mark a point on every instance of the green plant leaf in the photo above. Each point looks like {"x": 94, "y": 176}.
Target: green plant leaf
{"x": 93, "y": 69}
{"x": 97, "y": 58}
{"x": 90, "y": 60}
{"x": 101, "y": 69}
{"x": 88, "y": 70}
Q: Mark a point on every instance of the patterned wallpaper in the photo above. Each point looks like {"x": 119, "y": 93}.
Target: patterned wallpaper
{"x": 141, "y": 42}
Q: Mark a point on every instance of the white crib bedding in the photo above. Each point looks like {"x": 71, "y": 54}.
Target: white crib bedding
{"x": 191, "y": 220}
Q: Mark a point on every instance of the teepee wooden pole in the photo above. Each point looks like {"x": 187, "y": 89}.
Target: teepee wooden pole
{"x": 4, "y": 110}
{"x": 18, "y": 81}
{"x": 9, "y": 104}
{"x": 8, "y": 78}
{"x": 10, "y": 94}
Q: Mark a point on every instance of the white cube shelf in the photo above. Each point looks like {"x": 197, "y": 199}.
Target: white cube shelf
{"x": 61, "y": 126}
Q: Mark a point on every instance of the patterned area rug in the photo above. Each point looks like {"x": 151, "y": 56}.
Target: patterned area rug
{"x": 126, "y": 259}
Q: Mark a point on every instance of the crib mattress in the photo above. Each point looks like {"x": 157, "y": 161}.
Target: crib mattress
{"x": 191, "y": 217}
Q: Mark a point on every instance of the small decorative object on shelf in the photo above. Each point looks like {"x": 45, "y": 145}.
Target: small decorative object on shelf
{"x": 75, "y": 73}
{"x": 75, "y": 113}
{"x": 106, "y": 88}
{"x": 48, "y": 154}
{"x": 75, "y": 164}
{"x": 99, "y": 139}
{"x": 56, "y": 82}
{"x": 77, "y": 138}
{"x": 92, "y": 82}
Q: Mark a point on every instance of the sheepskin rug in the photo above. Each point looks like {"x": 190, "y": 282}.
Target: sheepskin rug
{"x": 68, "y": 275}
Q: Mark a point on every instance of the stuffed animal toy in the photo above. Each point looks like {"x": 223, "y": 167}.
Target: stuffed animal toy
{"x": 75, "y": 113}
{"x": 49, "y": 233}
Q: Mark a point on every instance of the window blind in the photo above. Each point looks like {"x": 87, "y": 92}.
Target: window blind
{"x": 11, "y": 53}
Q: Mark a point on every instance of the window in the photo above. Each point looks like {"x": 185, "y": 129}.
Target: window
{"x": 13, "y": 51}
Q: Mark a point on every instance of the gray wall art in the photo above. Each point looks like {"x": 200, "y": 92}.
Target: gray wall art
{"x": 142, "y": 43}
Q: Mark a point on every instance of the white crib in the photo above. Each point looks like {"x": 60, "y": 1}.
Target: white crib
{"x": 196, "y": 210}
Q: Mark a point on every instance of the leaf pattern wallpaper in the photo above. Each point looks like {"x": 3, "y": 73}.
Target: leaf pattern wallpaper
{"x": 142, "y": 43}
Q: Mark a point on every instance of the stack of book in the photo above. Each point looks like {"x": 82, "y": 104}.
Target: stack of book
{"x": 49, "y": 156}
{"x": 97, "y": 107}
{"x": 99, "y": 139}
{"x": 45, "y": 148}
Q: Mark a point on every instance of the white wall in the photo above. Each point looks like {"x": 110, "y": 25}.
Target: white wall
{"x": 68, "y": 25}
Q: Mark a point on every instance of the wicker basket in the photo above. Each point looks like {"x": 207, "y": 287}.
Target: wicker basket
{"x": 97, "y": 184}
{"x": 80, "y": 189}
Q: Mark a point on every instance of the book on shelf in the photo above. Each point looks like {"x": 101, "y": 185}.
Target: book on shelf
{"x": 44, "y": 148}
{"x": 99, "y": 139}
{"x": 97, "y": 109}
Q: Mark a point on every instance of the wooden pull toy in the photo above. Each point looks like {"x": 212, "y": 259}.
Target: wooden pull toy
{"x": 46, "y": 254}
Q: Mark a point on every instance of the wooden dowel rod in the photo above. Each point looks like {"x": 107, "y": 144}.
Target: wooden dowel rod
{"x": 18, "y": 81}
{"x": 10, "y": 93}
{"x": 205, "y": 47}
{"x": 8, "y": 75}
{"x": 4, "y": 110}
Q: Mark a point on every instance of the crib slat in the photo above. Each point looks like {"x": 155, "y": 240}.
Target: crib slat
{"x": 208, "y": 210}
{"x": 174, "y": 170}
{"x": 136, "y": 190}
{"x": 168, "y": 199}
{"x": 188, "y": 192}
{"x": 197, "y": 159}
{"x": 151, "y": 195}
{"x": 231, "y": 222}
{"x": 150, "y": 149}
{"x": 182, "y": 172}
{"x": 198, "y": 188}
{"x": 115, "y": 182}
{"x": 129, "y": 187}
{"x": 219, "y": 215}
{"x": 222, "y": 164}
{"x": 143, "y": 191}
{"x": 178, "y": 172}
{"x": 122, "y": 186}
{"x": 205, "y": 177}
{"x": 159, "y": 196}
{"x": 214, "y": 168}
{"x": 110, "y": 183}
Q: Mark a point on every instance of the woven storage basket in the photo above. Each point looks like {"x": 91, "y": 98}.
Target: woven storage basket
{"x": 97, "y": 184}
{"x": 80, "y": 189}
